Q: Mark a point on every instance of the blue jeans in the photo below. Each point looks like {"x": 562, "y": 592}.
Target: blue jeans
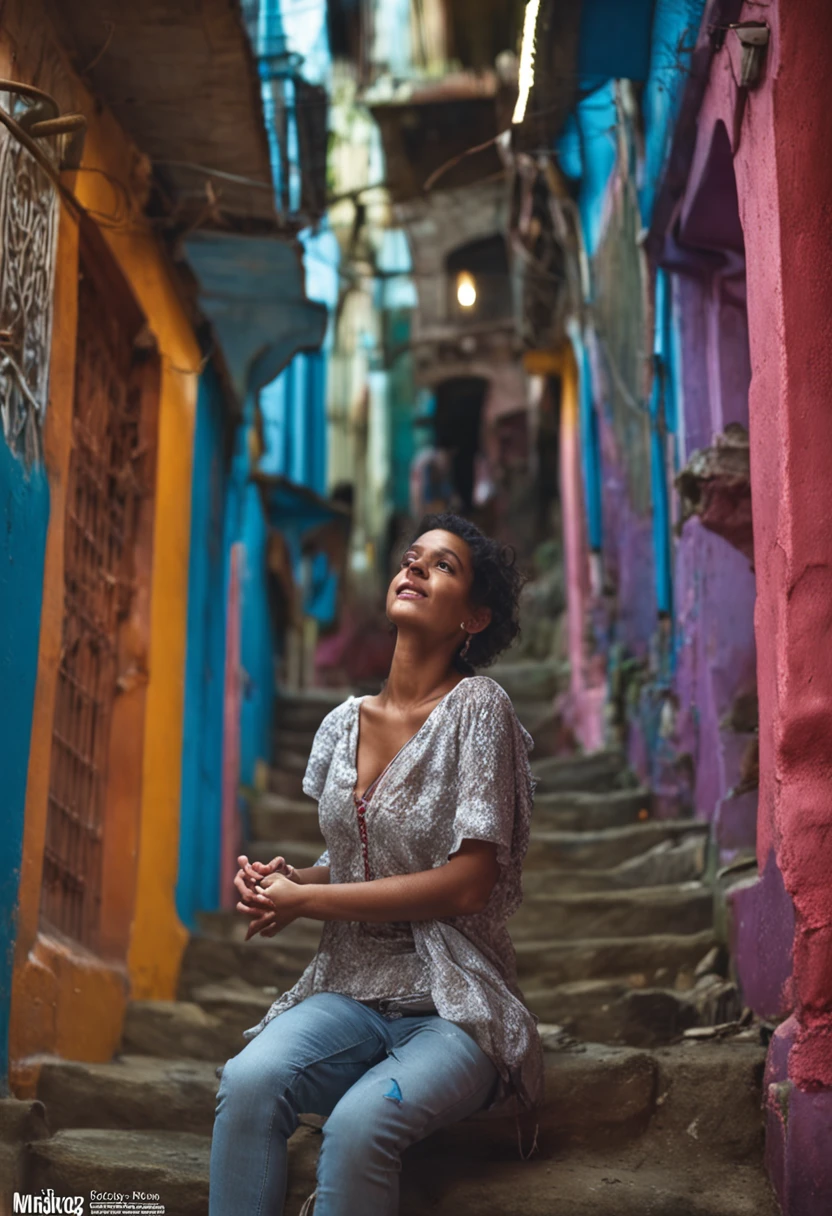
{"x": 384, "y": 1083}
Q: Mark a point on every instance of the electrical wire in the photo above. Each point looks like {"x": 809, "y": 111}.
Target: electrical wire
{"x": 239, "y": 178}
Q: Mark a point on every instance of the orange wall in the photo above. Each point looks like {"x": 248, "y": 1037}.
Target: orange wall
{"x": 64, "y": 999}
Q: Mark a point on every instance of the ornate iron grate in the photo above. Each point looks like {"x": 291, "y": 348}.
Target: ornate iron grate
{"x": 28, "y": 228}
{"x": 103, "y": 498}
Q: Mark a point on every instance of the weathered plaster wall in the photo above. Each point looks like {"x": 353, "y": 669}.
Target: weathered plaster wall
{"x": 715, "y": 662}
{"x": 582, "y": 705}
{"x": 714, "y": 584}
{"x": 627, "y": 548}
{"x": 158, "y": 937}
{"x": 25, "y": 509}
{"x": 64, "y": 999}
{"x": 24, "y": 495}
{"x": 784, "y": 177}
{"x": 791, "y": 452}
{"x": 201, "y": 812}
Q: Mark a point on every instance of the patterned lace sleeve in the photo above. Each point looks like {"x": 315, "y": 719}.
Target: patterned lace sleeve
{"x": 494, "y": 785}
{"x": 317, "y": 768}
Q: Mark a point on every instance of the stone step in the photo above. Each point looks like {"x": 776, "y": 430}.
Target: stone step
{"x": 686, "y": 908}
{"x": 174, "y": 1165}
{"x": 546, "y": 731}
{"x": 530, "y": 680}
{"x": 621, "y": 1113}
{"x": 597, "y": 772}
{"x": 285, "y": 782}
{"x": 271, "y": 817}
{"x": 178, "y": 1029}
{"x": 594, "y": 1094}
{"x": 293, "y": 740}
{"x": 610, "y": 1011}
{"x": 171, "y": 1164}
{"x": 665, "y": 864}
{"x": 292, "y": 760}
{"x": 21, "y": 1122}
{"x": 591, "y": 812}
{"x": 587, "y": 1186}
{"x": 230, "y": 925}
{"x": 208, "y": 1027}
{"x": 600, "y": 1096}
{"x": 670, "y": 861}
{"x": 263, "y": 962}
{"x": 133, "y": 1092}
{"x": 536, "y": 716}
{"x": 606, "y": 849}
{"x": 640, "y": 960}
{"x": 302, "y": 711}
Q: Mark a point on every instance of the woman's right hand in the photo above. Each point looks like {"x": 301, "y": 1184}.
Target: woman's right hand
{"x": 257, "y": 907}
{"x": 278, "y": 865}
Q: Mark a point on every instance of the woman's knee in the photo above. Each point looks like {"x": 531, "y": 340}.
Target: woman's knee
{"x": 248, "y": 1079}
{"x": 374, "y": 1123}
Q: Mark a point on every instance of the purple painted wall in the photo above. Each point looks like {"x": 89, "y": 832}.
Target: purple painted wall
{"x": 715, "y": 663}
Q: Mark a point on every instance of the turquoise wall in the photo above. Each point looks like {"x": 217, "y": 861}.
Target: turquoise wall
{"x": 25, "y": 506}
{"x": 202, "y": 741}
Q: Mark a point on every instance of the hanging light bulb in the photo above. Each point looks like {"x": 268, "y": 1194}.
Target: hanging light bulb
{"x": 466, "y": 290}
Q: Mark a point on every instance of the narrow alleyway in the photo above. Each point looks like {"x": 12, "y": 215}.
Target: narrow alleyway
{"x": 559, "y": 268}
{"x": 616, "y": 955}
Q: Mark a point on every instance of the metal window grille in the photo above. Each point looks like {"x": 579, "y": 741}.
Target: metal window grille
{"x": 28, "y": 229}
{"x": 101, "y": 512}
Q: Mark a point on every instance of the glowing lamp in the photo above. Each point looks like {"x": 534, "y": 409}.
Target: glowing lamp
{"x": 466, "y": 290}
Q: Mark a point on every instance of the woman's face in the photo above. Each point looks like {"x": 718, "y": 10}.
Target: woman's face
{"x": 433, "y": 587}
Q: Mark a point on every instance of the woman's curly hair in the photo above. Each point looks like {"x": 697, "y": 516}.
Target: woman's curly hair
{"x": 496, "y": 585}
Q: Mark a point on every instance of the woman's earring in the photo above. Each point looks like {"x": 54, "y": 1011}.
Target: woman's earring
{"x": 464, "y": 651}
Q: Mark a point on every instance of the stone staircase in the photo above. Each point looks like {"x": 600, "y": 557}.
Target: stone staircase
{"x": 616, "y": 955}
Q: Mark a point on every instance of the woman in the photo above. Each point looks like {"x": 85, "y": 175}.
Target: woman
{"x": 409, "y": 1017}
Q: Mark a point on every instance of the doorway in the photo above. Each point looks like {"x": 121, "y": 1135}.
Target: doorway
{"x": 107, "y": 549}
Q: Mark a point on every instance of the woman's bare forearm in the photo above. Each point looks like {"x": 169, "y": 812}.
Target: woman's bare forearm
{"x": 314, "y": 875}
{"x": 458, "y": 888}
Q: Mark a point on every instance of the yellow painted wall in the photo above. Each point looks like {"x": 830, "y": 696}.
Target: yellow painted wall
{"x": 158, "y": 937}
{"x": 64, "y": 999}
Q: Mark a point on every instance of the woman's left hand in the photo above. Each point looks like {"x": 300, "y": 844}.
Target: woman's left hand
{"x": 284, "y": 895}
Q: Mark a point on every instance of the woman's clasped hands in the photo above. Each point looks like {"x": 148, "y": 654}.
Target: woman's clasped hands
{"x": 268, "y": 895}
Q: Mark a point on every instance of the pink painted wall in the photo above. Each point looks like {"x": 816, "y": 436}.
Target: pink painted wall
{"x": 781, "y": 152}
{"x": 582, "y": 707}
{"x": 784, "y": 176}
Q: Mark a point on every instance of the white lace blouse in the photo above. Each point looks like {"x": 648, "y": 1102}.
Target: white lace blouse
{"x": 464, "y": 774}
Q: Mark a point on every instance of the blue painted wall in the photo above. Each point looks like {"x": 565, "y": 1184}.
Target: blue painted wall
{"x": 590, "y": 451}
{"x": 25, "y": 507}
{"x": 675, "y": 28}
{"x": 402, "y": 407}
{"x": 662, "y": 421}
{"x": 614, "y": 39}
{"x": 201, "y": 812}
{"x": 293, "y": 410}
{"x": 587, "y": 152}
{"x": 258, "y": 649}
